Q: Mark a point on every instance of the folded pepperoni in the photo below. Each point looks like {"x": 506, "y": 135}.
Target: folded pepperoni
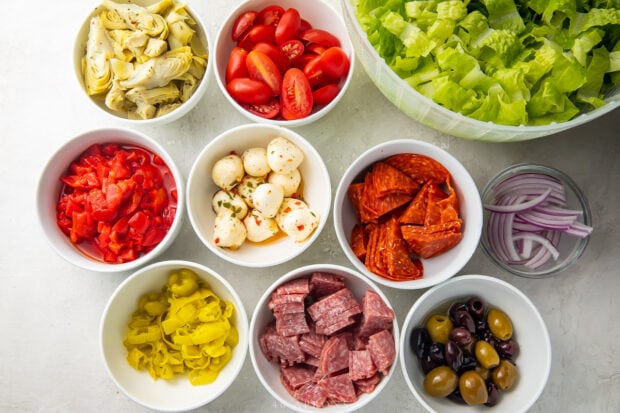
{"x": 386, "y": 179}
{"x": 372, "y": 208}
{"x": 355, "y": 196}
{"x": 426, "y": 243}
{"x": 415, "y": 213}
{"x": 372, "y": 260}
{"x": 359, "y": 241}
{"x": 441, "y": 207}
{"x": 419, "y": 167}
{"x": 399, "y": 263}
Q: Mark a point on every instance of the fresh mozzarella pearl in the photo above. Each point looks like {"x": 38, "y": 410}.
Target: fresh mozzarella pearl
{"x": 299, "y": 223}
{"x": 288, "y": 205}
{"x": 283, "y": 155}
{"x": 229, "y": 232}
{"x": 228, "y": 171}
{"x": 259, "y": 227}
{"x": 227, "y": 202}
{"x": 247, "y": 186}
{"x": 255, "y": 162}
{"x": 267, "y": 199}
{"x": 289, "y": 182}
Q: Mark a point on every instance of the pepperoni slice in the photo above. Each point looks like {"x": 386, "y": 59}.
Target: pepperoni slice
{"x": 400, "y": 266}
{"x": 419, "y": 167}
{"x": 387, "y": 180}
{"x": 415, "y": 213}
{"x": 428, "y": 242}
{"x": 358, "y": 242}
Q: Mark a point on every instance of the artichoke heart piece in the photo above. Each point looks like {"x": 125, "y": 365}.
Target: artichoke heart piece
{"x": 121, "y": 69}
{"x": 190, "y": 83}
{"x": 139, "y": 18}
{"x": 180, "y": 24}
{"x": 115, "y": 98}
{"x": 161, "y": 70}
{"x": 129, "y": 44}
{"x": 146, "y": 100}
{"x": 155, "y": 47}
{"x": 96, "y": 64}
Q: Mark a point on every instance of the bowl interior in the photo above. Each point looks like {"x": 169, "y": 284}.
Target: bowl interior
{"x": 99, "y": 100}
{"x": 49, "y": 188}
{"x": 533, "y": 361}
{"x": 438, "y": 268}
{"x": 320, "y": 14}
{"x": 269, "y": 373}
{"x": 570, "y": 248}
{"x": 201, "y": 188}
{"x": 164, "y": 395}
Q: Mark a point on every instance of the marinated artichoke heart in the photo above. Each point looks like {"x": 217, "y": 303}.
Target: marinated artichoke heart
{"x": 143, "y": 62}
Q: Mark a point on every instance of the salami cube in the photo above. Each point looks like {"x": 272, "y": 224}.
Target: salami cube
{"x": 312, "y": 343}
{"x": 331, "y": 325}
{"x": 376, "y": 315}
{"x": 287, "y": 303}
{"x": 382, "y": 350}
{"x": 361, "y": 365}
{"x": 339, "y": 389}
{"x": 284, "y": 350}
{"x": 367, "y": 385}
{"x": 291, "y": 324}
{"x": 335, "y": 356}
{"x": 323, "y": 283}
{"x": 297, "y": 286}
{"x": 333, "y": 305}
{"x": 294, "y": 377}
{"x": 310, "y": 393}
{"x": 311, "y": 360}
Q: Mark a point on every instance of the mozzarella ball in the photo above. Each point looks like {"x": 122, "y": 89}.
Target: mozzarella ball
{"x": 247, "y": 186}
{"x": 255, "y": 162}
{"x": 259, "y": 227}
{"x": 228, "y": 171}
{"x": 228, "y": 232}
{"x": 289, "y": 182}
{"x": 267, "y": 199}
{"x": 225, "y": 202}
{"x": 288, "y": 205}
{"x": 299, "y": 223}
{"x": 283, "y": 155}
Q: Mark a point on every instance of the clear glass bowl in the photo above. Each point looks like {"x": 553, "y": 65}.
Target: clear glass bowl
{"x": 569, "y": 247}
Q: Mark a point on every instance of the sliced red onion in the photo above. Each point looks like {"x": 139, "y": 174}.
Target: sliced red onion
{"x": 520, "y": 206}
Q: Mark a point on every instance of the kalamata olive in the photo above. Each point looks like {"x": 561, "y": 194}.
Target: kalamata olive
{"x": 436, "y": 353}
{"x": 473, "y": 389}
{"x": 489, "y": 338}
{"x": 456, "y": 307}
{"x": 456, "y": 397}
{"x": 427, "y": 364}
{"x": 440, "y": 381}
{"x": 507, "y": 349}
{"x": 499, "y": 324}
{"x": 486, "y": 355}
{"x": 494, "y": 394}
{"x": 505, "y": 375}
{"x": 464, "y": 319}
{"x": 461, "y": 336}
{"x": 469, "y": 362}
{"x": 419, "y": 341}
{"x": 454, "y": 355}
{"x": 476, "y": 307}
{"x": 439, "y": 327}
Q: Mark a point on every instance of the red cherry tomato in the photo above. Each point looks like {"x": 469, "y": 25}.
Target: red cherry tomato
{"x": 288, "y": 26}
{"x": 316, "y": 48}
{"x": 315, "y": 74}
{"x": 246, "y": 90}
{"x": 261, "y": 67}
{"x": 275, "y": 54}
{"x": 301, "y": 61}
{"x": 335, "y": 62}
{"x": 305, "y": 25}
{"x": 325, "y": 94}
{"x": 236, "y": 64}
{"x": 258, "y": 33}
{"x": 296, "y": 98}
{"x": 292, "y": 49}
{"x": 321, "y": 37}
{"x": 270, "y": 15}
{"x": 243, "y": 24}
{"x": 267, "y": 110}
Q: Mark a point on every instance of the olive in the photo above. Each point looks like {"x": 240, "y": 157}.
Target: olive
{"x": 476, "y": 308}
{"x": 454, "y": 355}
{"x": 485, "y": 353}
{"x": 494, "y": 394}
{"x": 419, "y": 341}
{"x": 456, "y": 307}
{"x": 484, "y": 373}
{"x": 481, "y": 326}
{"x": 507, "y": 349}
{"x": 461, "y": 336}
{"x": 469, "y": 362}
{"x": 440, "y": 381}
{"x": 439, "y": 327}
{"x": 436, "y": 353}
{"x": 504, "y": 375}
{"x": 456, "y": 397}
{"x": 499, "y": 324}
{"x": 427, "y": 364}
{"x": 464, "y": 319}
{"x": 472, "y": 387}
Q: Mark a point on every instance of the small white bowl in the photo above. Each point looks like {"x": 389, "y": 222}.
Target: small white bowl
{"x": 269, "y": 373}
{"x": 320, "y": 14}
{"x": 436, "y": 269}
{"x": 98, "y": 101}
{"x": 165, "y": 395}
{"x": 533, "y": 361}
{"x": 49, "y": 187}
{"x": 201, "y": 188}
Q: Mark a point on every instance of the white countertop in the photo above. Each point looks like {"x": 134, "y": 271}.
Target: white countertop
{"x": 50, "y": 310}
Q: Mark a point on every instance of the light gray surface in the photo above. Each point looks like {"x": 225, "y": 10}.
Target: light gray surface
{"x": 50, "y": 310}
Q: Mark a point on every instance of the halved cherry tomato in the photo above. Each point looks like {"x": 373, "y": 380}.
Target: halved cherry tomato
{"x": 242, "y": 24}
{"x": 305, "y": 25}
{"x": 258, "y": 33}
{"x": 319, "y": 36}
{"x": 236, "y": 64}
{"x": 275, "y": 54}
{"x": 270, "y": 15}
{"x": 316, "y": 48}
{"x": 261, "y": 67}
{"x": 288, "y": 26}
{"x": 301, "y": 61}
{"x": 296, "y": 98}
{"x": 315, "y": 74}
{"x": 325, "y": 94}
{"x": 267, "y": 110}
{"x": 292, "y": 49}
{"x": 246, "y": 90}
{"x": 335, "y": 62}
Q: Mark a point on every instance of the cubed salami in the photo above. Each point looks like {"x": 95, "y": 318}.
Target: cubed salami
{"x": 287, "y": 303}
{"x": 339, "y": 389}
{"x": 335, "y": 356}
{"x": 333, "y": 305}
{"x": 311, "y": 393}
{"x": 296, "y": 376}
{"x": 312, "y": 343}
{"x": 291, "y": 324}
{"x": 284, "y": 350}
{"x": 332, "y": 325}
{"x": 367, "y": 385}
{"x": 324, "y": 283}
{"x": 296, "y": 286}
{"x": 382, "y": 350}
{"x": 361, "y": 365}
{"x": 376, "y": 315}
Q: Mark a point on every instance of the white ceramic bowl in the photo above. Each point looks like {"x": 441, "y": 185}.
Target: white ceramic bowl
{"x": 533, "y": 361}
{"x": 202, "y": 33}
{"x": 49, "y": 187}
{"x": 201, "y": 188}
{"x": 424, "y": 110}
{"x": 436, "y": 269}
{"x": 320, "y": 14}
{"x": 176, "y": 394}
{"x": 269, "y": 373}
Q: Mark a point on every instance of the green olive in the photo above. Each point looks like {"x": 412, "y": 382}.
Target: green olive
{"x": 473, "y": 388}
{"x": 440, "y": 381}
{"x": 483, "y": 372}
{"x": 499, "y": 324}
{"x": 505, "y": 375}
{"x": 439, "y": 327}
{"x": 486, "y": 355}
